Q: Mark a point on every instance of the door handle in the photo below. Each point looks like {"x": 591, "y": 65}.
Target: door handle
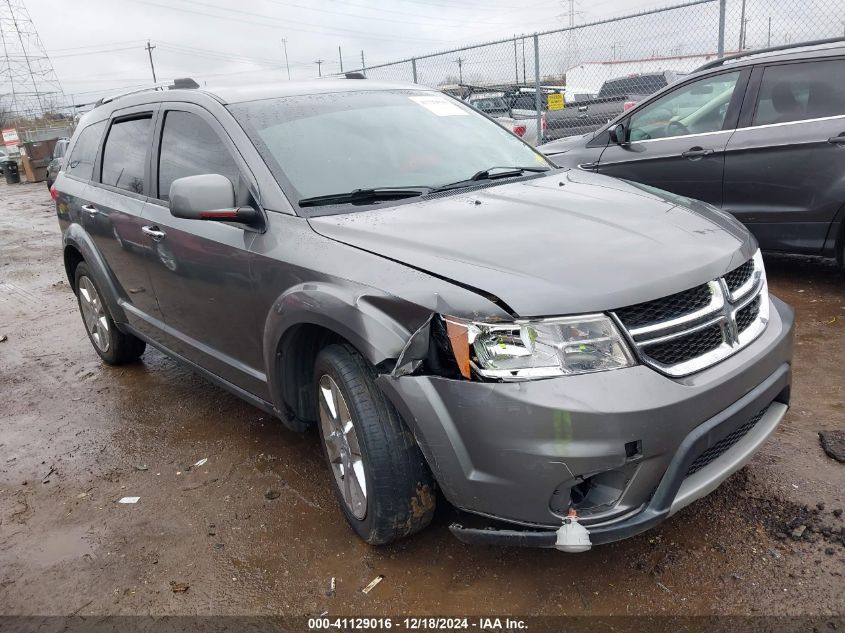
{"x": 837, "y": 140}
{"x": 90, "y": 209}
{"x": 154, "y": 232}
{"x": 694, "y": 153}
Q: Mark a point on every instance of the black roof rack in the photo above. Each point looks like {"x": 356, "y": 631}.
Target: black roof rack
{"x": 771, "y": 49}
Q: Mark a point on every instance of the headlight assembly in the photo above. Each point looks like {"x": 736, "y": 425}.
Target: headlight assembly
{"x": 525, "y": 350}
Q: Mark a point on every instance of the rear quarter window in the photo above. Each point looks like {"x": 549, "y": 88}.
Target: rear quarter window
{"x": 84, "y": 154}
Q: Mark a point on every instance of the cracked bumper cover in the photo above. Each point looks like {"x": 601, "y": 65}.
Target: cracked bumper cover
{"x": 502, "y": 450}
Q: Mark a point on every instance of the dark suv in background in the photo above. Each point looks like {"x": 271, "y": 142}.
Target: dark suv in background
{"x": 761, "y": 135}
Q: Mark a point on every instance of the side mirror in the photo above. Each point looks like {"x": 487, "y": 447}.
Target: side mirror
{"x": 207, "y": 197}
{"x": 617, "y": 133}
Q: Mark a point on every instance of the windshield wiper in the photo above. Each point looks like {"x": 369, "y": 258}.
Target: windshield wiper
{"x": 490, "y": 173}
{"x": 365, "y": 196}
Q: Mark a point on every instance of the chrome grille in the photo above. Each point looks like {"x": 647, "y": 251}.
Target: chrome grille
{"x": 688, "y": 331}
{"x": 746, "y": 316}
{"x": 684, "y": 348}
{"x": 670, "y": 307}
{"x": 739, "y": 276}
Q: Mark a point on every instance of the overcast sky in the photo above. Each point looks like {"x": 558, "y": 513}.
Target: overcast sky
{"x": 98, "y": 45}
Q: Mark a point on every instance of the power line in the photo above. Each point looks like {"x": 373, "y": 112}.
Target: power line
{"x": 322, "y": 28}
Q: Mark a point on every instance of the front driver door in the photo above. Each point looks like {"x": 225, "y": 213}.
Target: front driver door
{"x": 202, "y": 273}
{"x": 677, "y": 142}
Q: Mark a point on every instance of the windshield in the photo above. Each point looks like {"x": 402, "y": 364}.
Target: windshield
{"x": 324, "y": 144}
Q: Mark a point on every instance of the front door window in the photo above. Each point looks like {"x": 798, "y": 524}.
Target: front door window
{"x": 696, "y": 108}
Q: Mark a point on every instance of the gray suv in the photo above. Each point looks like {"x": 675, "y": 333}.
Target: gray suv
{"x": 567, "y": 357}
{"x": 761, "y": 135}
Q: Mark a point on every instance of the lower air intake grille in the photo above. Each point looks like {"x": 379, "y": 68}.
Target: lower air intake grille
{"x": 684, "y": 348}
{"x": 720, "y": 447}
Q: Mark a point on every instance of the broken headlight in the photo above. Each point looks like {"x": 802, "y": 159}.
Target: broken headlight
{"x": 545, "y": 348}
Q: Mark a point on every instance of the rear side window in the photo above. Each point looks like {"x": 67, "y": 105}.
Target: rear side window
{"x": 795, "y": 92}
{"x": 125, "y": 154}
{"x": 60, "y": 149}
{"x": 190, "y": 147}
{"x": 641, "y": 85}
{"x": 81, "y": 163}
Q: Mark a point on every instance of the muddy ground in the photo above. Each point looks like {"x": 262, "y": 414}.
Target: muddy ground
{"x": 77, "y": 435}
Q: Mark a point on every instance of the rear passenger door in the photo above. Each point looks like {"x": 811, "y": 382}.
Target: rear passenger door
{"x": 115, "y": 200}
{"x": 202, "y": 274}
{"x": 785, "y": 165}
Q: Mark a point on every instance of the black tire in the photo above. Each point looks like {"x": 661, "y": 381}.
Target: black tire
{"x": 401, "y": 497}
{"x": 122, "y": 348}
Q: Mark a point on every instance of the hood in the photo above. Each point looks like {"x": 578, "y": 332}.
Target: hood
{"x": 566, "y": 243}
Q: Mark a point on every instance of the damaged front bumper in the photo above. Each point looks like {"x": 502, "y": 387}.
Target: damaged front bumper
{"x": 627, "y": 448}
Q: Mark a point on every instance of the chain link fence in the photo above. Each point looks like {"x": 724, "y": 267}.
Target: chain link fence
{"x": 573, "y": 80}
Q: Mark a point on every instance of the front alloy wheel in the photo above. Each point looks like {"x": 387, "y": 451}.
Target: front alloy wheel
{"x": 342, "y": 448}
{"x": 380, "y": 476}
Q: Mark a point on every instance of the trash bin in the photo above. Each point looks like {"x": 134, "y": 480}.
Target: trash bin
{"x": 10, "y": 170}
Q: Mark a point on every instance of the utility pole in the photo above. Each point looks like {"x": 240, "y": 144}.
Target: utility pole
{"x": 287, "y": 64}
{"x": 523, "y": 60}
{"x": 721, "y": 45}
{"x": 340, "y": 57}
{"x": 460, "y": 61}
{"x": 319, "y": 63}
{"x": 152, "y": 66}
{"x": 742, "y": 27}
{"x": 363, "y": 64}
{"x": 769, "y": 39}
{"x": 616, "y": 47}
{"x": 515, "y": 60}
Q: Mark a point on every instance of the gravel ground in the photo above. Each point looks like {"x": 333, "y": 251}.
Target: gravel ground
{"x": 256, "y": 531}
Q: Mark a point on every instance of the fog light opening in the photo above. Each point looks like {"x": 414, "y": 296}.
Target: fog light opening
{"x": 578, "y": 493}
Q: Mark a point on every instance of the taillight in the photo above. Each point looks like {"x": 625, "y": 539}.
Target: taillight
{"x": 628, "y": 105}
{"x": 54, "y": 193}
{"x": 519, "y": 130}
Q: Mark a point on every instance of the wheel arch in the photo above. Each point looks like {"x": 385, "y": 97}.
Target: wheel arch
{"x": 311, "y": 316}
{"x": 79, "y": 247}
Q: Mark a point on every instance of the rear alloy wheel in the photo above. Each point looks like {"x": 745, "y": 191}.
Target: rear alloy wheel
{"x": 381, "y": 479}
{"x": 113, "y": 346}
{"x": 94, "y": 315}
